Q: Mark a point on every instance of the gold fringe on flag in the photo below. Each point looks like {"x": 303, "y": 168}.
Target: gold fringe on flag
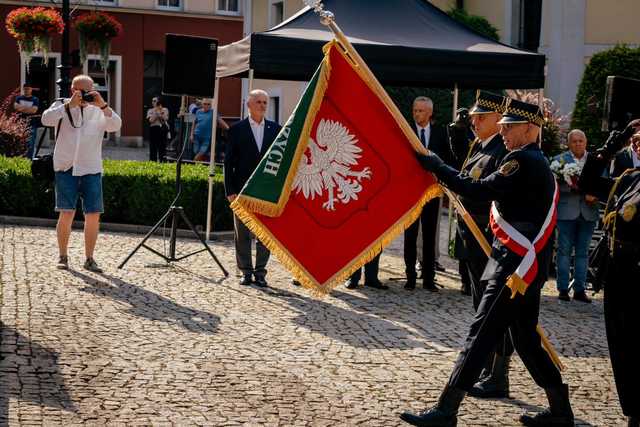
{"x": 301, "y": 274}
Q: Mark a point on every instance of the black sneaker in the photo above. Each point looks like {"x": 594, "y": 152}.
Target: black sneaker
{"x": 564, "y": 296}
{"x": 63, "y": 263}
{"x": 91, "y": 265}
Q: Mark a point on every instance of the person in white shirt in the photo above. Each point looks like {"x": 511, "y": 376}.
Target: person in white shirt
{"x": 77, "y": 162}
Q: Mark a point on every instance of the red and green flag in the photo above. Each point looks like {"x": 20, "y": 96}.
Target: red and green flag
{"x": 339, "y": 182}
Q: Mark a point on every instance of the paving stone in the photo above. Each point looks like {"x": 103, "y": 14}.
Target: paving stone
{"x": 175, "y": 345}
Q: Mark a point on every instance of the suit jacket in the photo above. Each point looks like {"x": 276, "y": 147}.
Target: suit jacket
{"x": 482, "y": 162}
{"x": 242, "y": 155}
{"x": 438, "y": 142}
{"x": 621, "y": 162}
{"x": 571, "y": 204}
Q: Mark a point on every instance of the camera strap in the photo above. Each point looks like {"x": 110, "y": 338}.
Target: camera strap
{"x": 68, "y": 110}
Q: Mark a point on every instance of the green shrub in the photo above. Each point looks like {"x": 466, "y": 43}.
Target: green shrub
{"x": 587, "y": 113}
{"x": 134, "y": 193}
{"x": 477, "y": 23}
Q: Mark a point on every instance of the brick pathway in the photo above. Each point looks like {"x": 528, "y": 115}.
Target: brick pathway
{"x": 161, "y": 345}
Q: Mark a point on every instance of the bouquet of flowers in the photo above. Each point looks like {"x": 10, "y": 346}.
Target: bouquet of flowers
{"x": 567, "y": 171}
{"x": 96, "y": 29}
{"x": 32, "y": 27}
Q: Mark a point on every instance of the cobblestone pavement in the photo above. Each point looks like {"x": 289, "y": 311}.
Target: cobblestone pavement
{"x": 158, "y": 345}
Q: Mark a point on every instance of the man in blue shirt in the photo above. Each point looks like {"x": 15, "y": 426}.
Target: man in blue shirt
{"x": 27, "y": 106}
{"x": 201, "y": 131}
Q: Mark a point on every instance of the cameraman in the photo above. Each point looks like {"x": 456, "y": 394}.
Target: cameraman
{"x": 81, "y": 122}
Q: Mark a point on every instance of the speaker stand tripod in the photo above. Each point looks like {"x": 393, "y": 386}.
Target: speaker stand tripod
{"x": 175, "y": 212}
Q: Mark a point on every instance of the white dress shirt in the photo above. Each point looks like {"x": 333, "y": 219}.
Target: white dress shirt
{"x": 484, "y": 142}
{"x": 258, "y": 132}
{"x": 79, "y": 148}
{"x": 427, "y": 133}
{"x": 580, "y": 161}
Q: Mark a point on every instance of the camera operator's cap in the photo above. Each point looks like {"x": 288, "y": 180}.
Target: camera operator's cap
{"x": 522, "y": 112}
{"x": 487, "y": 102}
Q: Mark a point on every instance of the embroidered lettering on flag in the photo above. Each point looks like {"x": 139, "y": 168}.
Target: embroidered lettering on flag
{"x": 339, "y": 182}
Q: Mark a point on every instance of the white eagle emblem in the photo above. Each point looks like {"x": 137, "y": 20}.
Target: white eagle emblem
{"x": 328, "y": 166}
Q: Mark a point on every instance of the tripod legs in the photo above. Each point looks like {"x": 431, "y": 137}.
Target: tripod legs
{"x": 215, "y": 258}
{"x": 173, "y": 213}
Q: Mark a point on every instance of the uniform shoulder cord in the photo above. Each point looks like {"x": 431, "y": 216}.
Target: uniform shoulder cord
{"x": 610, "y": 218}
{"x": 471, "y": 147}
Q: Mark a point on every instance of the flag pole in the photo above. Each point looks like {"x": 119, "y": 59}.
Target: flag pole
{"x": 327, "y": 18}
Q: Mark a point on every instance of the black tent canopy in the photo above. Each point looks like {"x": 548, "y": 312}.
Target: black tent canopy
{"x": 404, "y": 42}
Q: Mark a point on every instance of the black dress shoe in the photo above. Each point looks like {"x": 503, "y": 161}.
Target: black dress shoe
{"x": 564, "y": 296}
{"x": 376, "y": 284}
{"x": 430, "y": 286}
{"x": 261, "y": 282}
{"x": 582, "y": 297}
{"x": 410, "y": 285}
{"x": 351, "y": 284}
{"x": 246, "y": 281}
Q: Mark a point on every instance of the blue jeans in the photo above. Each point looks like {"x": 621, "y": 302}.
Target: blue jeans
{"x": 31, "y": 142}
{"x": 573, "y": 234}
{"x": 200, "y": 145}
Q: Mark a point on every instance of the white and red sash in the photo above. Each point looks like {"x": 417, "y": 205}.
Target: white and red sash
{"x": 519, "y": 244}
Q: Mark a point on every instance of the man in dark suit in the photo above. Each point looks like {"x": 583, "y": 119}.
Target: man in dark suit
{"x": 435, "y": 139}
{"x": 626, "y": 158}
{"x": 248, "y": 141}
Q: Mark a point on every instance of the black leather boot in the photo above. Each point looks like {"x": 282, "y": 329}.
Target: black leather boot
{"x": 559, "y": 413}
{"x": 488, "y": 367}
{"x": 633, "y": 422}
{"x": 444, "y": 414}
{"x": 496, "y": 385}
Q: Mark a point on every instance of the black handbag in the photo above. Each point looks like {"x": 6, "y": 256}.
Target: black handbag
{"x": 42, "y": 166}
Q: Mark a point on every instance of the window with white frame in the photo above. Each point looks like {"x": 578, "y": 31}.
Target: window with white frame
{"x": 228, "y": 7}
{"x": 168, "y": 4}
{"x": 276, "y": 12}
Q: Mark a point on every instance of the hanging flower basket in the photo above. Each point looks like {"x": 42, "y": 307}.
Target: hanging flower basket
{"x": 32, "y": 27}
{"x": 96, "y": 29}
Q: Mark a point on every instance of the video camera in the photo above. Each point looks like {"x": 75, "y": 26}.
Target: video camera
{"x": 621, "y": 102}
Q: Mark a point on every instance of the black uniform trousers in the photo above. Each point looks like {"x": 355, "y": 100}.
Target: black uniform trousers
{"x": 370, "y": 271}
{"x": 476, "y": 261}
{"x": 429, "y": 220}
{"x": 498, "y": 314}
{"x": 621, "y": 296}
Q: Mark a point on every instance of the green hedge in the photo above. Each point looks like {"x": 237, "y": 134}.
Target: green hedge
{"x": 134, "y": 192}
{"x": 587, "y": 113}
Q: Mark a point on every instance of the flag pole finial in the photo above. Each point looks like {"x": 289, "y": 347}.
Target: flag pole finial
{"x": 326, "y": 17}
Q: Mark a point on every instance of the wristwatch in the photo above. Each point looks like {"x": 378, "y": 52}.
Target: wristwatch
{"x": 104, "y": 106}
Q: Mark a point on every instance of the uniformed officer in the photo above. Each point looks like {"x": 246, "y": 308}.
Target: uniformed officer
{"x": 621, "y": 264}
{"x": 485, "y": 154}
{"x": 522, "y": 219}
